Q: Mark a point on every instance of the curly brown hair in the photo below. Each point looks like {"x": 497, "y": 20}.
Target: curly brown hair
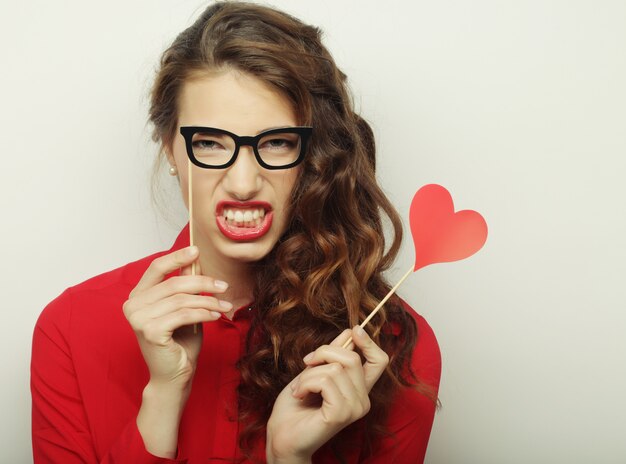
{"x": 325, "y": 272}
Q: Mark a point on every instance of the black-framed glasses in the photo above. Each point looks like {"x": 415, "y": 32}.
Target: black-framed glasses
{"x": 212, "y": 148}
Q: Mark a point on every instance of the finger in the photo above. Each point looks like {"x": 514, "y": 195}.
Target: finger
{"x": 332, "y": 371}
{"x": 163, "y": 265}
{"x": 191, "y": 285}
{"x": 187, "y": 331}
{"x": 159, "y": 331}
{"x": 342, "y": 338}
{"x": 338, "y": 407}
{"x": 186, "y": 270}
{"x": 376, "y": 359}
{"x": 210, "y": 303}
{"x": 349, "y": 360}
{"x": 175, "y": 302}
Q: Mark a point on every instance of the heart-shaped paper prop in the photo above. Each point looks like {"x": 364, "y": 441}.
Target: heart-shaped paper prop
{"x": 439, "y": 234}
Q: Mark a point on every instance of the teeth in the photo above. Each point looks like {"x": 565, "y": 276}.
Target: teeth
{"x": 246, "y": 217}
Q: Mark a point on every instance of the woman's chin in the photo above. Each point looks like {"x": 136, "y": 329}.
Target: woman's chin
{"x": 247, "y": 252}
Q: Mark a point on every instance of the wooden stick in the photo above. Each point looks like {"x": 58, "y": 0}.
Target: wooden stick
{"x": 382, "y": 302}
{"x": 190, "y": 201}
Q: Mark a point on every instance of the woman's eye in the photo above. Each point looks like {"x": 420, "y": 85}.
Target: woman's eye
{"x": 277, "y": 144}
{"x": 207, "y": 145}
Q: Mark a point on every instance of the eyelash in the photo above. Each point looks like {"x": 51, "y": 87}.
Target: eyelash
{"x": 200, "y": 143}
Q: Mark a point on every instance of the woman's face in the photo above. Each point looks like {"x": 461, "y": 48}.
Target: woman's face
{"x": 226, "y": 202}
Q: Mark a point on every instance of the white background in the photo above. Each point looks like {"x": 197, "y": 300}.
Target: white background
{"x": 518, "y": 108}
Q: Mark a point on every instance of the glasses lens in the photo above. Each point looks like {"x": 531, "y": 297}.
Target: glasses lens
{"x": 212, "y": 148}
{"x": 280, "y": 148}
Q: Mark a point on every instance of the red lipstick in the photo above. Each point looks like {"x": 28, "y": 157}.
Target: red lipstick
{"x": 240, "y": 232}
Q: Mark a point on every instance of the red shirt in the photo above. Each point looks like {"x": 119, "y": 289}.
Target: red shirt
{"x": 88, "y": 375}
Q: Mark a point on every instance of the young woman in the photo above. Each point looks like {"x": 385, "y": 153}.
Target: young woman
{"x": 244, "y": 361}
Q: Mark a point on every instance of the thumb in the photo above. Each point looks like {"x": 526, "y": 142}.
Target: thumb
{"x": 376, "y": 359}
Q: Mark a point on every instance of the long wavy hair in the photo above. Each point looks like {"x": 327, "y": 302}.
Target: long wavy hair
{"x": 325, "y": 272}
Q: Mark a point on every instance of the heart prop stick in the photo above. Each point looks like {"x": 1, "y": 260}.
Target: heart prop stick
{"x": 439, "y": 234}
{"x": 190, "y": 202}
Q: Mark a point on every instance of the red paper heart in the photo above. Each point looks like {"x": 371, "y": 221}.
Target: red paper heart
{"x": 439, "y": 234}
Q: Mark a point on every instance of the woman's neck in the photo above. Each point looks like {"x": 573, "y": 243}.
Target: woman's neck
{"x": 237, "y": 274}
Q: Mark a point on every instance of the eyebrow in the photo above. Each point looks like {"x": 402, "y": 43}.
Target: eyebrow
{"x": 259, "y": 132}
{"x": 273, "y": 127}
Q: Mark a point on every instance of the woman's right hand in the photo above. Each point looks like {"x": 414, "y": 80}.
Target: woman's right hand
{"x": 163, "y": 313}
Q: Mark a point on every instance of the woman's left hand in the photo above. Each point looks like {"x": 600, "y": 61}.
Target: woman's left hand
{"x": 331, "y": 393}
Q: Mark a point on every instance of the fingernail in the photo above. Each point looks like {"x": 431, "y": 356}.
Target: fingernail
{"x": 308, "y": 357}
{"x": 359, "y": 331}
{"x": 216, "y": 314}
{"x": 192, "y": 250}
{"x": 220, "y": 284}
{"x": 226, "y": 304}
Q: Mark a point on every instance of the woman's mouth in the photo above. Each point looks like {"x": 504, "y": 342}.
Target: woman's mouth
{"x": 242, "y": 221}
{"x": 243, "y": 217}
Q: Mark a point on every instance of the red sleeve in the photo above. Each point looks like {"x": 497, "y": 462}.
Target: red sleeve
{"x": 412, "y": 412}
{"x": 61, "y": 431}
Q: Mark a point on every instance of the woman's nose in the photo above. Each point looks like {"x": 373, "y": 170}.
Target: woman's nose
{"x": 243, "y": 179}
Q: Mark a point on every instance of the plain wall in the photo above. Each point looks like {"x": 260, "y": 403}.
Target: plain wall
{"x": 518, "y": 108}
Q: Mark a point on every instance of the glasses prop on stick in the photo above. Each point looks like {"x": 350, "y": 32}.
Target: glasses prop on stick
{"x": 190, "y": 204}
{"x": 439, "y": 234}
